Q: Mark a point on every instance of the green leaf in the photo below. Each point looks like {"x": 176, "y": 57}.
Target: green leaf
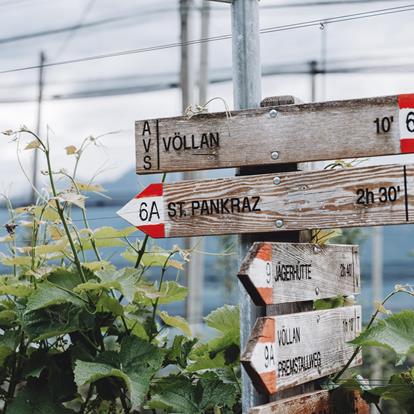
{"x": 56, "y": 320}
{"x": 170, "y": 292}
{"x": 8, "y": 344}
{"x": 7, "y": 317}
{"x": 180, "y": 351}
{"x": 176, "y": 322}
{"x": 48, "y": 294}
{"x": 35, "y": 398}
{"x": 109, "y": 304}
{"x": 175, "y": 394}
{"x": 400, "y": 389}
{"x": 395, "y": 332}
{"x": 16, "y": 261}
{"x": 225, "y": 319}
{"x": 89, "y": 372}
{"x": 58, "y": 247}
{"x": 106, "y": 237}
{"x": 225, "y": 349}
{"x": 216, "y": 393}
{"x": 20, "y": 290}
{"x": 153, "y": 259}
{"x": 124, "y": 280}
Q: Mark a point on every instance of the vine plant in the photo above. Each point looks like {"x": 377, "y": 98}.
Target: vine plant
{"x": 78, "y": 335}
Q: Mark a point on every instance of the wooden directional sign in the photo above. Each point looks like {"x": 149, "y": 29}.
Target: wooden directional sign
{"x": 287, "y": 350}
{"x": 275, "y": 273}
{"x": 284, "y": 134}
{"x": 263, "y": 203}
{"x": 319, "y": 402}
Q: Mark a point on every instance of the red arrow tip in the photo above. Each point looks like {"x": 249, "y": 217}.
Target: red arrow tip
{"x": 157, "y": 231}
{"x": 153, "y": 190}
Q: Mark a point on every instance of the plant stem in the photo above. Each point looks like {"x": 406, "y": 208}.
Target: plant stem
{"x": 84, "y": 406}
{"x": 371, "y": 321}
{"x": 63, "y": 219}
{"x": 378, "y": 408}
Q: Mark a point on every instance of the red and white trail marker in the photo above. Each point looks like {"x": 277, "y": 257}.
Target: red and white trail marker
{"x": 274, "y": 273}
{"x": 300, "y": 200}
{"x": 406, "y": 122}
{"x": 146, "y": 211}
{"x": 287, "y": 350}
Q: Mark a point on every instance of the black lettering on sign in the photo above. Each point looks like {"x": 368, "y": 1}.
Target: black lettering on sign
{"x": 288, "y": 336}
{"x": 147, "y": 213}
{"x": 381, "y": 195}
{"x": 301, "y": 363}
{"x": 346, "y": 270}
{"x": 225, "y": 206}
{"x": 384, "y": 124}
{"x": 287, "y": 272}
{"x": 147, "y": 162}
{"x": 176, "y": 208}
{"x": 146, "y": 129}
{"x": 269, "y": 354}
{"x": 179, "y": 142}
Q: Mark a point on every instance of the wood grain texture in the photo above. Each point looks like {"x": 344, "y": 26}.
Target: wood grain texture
{"x": 286, "y": 350}
{"x": 318, "y": 402}
{"x": 302, "y": 200}
{"x": 299, "y": 133}
{"x": 274, "y": 273}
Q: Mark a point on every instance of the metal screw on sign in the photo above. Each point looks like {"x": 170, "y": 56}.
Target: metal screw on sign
{"x": 279, "y": 223}
{"x": 276, "y": 180}
{"x": 317, "y": 291}
{"x": 316, "y": 249}
{"x": 273, "y": 113}
{"x": 274, "y": 155}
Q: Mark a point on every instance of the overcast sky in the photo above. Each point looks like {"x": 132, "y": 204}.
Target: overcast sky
{"x": 384, "y": 40}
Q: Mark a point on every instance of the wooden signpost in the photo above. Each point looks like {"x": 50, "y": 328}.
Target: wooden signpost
{"x": 351, "y": 197}
{"x": 288, "y": 350}
{"x": 318, "y": 402}
{"x": 274, "y": 273}
{"x": 285, "y": 350}
{"x": 271, "y": 135}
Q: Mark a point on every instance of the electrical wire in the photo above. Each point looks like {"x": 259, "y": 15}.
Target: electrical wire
{"x": 273, "y": 29}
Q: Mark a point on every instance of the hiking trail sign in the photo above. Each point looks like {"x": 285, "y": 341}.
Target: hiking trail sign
{"x": 368, "y": 196}
{"x": 287, "y": 350}
{"x": 283, "y": 134}
{"x": 317, "y": 402}
{"x": 274, "y": 273}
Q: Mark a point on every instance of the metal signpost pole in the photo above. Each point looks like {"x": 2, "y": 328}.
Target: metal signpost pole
{"x": 247, "y": 94}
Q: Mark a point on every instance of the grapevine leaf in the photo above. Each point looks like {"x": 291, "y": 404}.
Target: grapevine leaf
{"x": 175, "y": 394}
{"x": 73, "y": 198}
{"x": 176, "y": 322}
{"x": 48, "y": 294}
{"x": 395, "y": 332}
{"x": 156, "y": 259}
{"x": 35, "y": 398}
{"x": 216, "y": 393}
{"x": 56, "y": 320}
{"x": 225, "y": 319}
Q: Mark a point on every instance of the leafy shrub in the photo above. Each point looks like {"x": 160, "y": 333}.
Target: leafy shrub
{"x": 80, "y": 336}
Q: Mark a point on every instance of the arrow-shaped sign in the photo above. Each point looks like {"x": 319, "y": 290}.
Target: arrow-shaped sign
{"x": 284, "y": 134}
{"x": 264, "y": 203}
{"x": 288, "y": 350}
{"x": 336, "y": 401}
{"x": 274, "y": 273}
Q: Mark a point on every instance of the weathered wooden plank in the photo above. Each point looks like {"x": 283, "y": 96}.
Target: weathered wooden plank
{"x": 318, "y": 402}
{"x": 351, "y": 197}
{"x": 274, "y": 273}
{"x": 282, "y": 134}
{"x": 287, "y": 350}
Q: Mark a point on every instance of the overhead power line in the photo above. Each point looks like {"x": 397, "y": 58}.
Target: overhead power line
{"x": 321, "y": 3}
{"x": 273, "y": 29}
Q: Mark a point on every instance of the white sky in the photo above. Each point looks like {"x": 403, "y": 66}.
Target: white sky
{"x": 388, "y": 39}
